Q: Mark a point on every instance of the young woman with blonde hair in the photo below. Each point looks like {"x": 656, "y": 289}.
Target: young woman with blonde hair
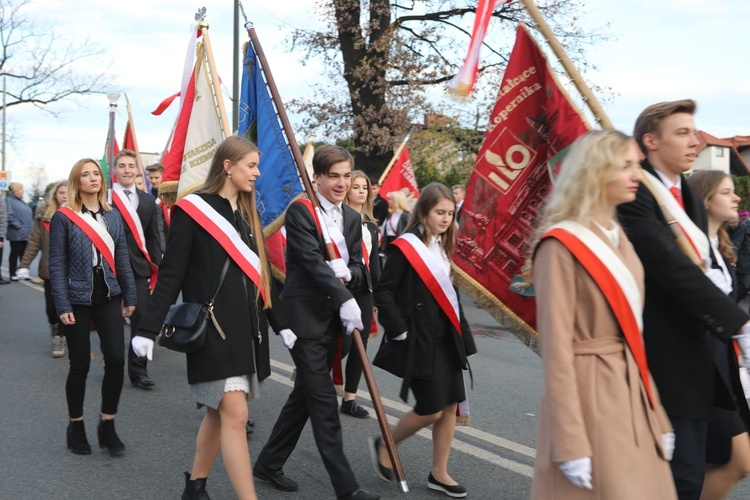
{"x": 727, "y": 439}
{"x": 91, "y": 281}
{"x": 398, "y": 219}
{"x": 602, "y": 430}
{"x": 359, "y": 199}
{"x": 216, "y": 247}
{"x": 39, "y": 242}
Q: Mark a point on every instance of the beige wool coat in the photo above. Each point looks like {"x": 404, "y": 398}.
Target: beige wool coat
{"x": 594, "y": 403}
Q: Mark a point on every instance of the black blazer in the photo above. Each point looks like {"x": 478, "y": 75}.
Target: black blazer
{"x": 314, "y": 292}
{"x": 406, "y": 305}
{"x": 147, "y": 213}
{"x": 683, "y": 307}
{"x": 374, "y": 254}
{"x": 192, "y": 264}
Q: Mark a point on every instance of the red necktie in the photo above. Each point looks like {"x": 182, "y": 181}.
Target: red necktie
{"x": 677, "y": 196}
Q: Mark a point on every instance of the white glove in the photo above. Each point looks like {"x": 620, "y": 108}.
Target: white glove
{"x": 743, "y": 341}
{"x": 351, "y": 316}
{"x": 717, "y": 278}
{"x": 578, "y": 471}
{"x": 22, "y": 273}
{"x": 401, "y": 337}
{"x": 143, "y": 347}
{"x": 339, "y": 268}
{"x": 288, "y": 337}
{"x": 667, "y": 442}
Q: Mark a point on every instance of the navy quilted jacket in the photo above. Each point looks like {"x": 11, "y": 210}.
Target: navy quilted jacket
{"x": 70, "y": 263}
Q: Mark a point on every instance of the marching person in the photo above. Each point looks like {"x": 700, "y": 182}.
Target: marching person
{"x": 20, "y": 220}
{"x": 39, "y": 242}
{"x": 90, "y": 276}
{"x": 154, "y": 174}
{"x": 217, "y": 247}
{"x": 379, "y": 205}
{"x": 323, "y": 305}
{"x": 602, "y": 430}
{"x": 727, "y": 438}
{"x": 140, "y": 219}
{"x": 397, "y": 221}
{"x": 459, "y": 193}
{"x": 430, "y": 337}
{"x": 683, "y": 308}
{"x": 359, "y": 199}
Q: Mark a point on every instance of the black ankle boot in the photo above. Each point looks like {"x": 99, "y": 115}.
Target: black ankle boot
{"x": 77, "y": 442}
{"x": 195, "y": 489}
{"x": 108, "y": 437}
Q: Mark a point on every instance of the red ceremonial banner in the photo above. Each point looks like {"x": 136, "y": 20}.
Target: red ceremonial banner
{"x": 531, "y": 125}
{"x": 401, "y": 178}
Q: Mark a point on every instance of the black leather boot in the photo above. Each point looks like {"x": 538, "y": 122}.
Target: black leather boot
{"x": 77, "y": 442}
{"x": 108, "y": 438}
{"x": 195, "y": 489}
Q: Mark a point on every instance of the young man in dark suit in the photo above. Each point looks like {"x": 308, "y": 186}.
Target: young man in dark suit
{"x": 323, "y": 306}
{"x": 379, "y": 205}
{"x": 126, "y": 170}
{"x": 683, "y": 307}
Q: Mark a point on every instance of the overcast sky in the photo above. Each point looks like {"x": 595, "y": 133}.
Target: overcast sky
{"x": 662, "y": 50}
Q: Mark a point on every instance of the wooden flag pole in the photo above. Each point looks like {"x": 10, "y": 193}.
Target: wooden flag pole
{"x": 395, "y": 157}
{"x": 141, "y": 167}
{"x": 601, "y": 117}
{"x": 215, "y": 83}
{"x": 385, "y": 429}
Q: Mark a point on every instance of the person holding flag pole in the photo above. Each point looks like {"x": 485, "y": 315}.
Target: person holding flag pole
{"x": 329, "y": 444}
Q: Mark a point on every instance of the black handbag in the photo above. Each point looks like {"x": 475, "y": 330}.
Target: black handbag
{"x": 392, "y": 356}
{"x": 186, "y": 325}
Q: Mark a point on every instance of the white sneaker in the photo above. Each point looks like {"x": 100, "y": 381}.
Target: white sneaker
{"x": 59, "y": 350}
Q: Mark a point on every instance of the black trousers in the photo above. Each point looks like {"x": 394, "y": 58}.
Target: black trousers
{"x": 689, "y": 460}
{"x": 138, "y": 365}
{"x": 107, "y": 317}
{"x": 313, "y": 398}
{"x": 17, "y": 248}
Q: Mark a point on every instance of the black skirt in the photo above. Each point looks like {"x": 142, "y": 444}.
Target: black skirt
{"x": 447, "y": 383}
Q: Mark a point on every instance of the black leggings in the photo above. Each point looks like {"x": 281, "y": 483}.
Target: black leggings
{"x": 107, "y": 318}
{"x": 17, "y": 248}
{"x": 353, "y": 370}
{"x": 49, "y": 305}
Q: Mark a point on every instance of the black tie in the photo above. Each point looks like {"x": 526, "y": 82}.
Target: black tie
{"x": 127, "y": 192}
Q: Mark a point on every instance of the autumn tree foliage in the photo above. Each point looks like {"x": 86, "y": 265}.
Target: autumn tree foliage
{"x": 388, "y": 64}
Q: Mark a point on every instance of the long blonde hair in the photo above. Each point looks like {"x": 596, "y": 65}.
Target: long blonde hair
{"x": 366, "y": 210}
{"x": 705, "y": 184}
{"x": 398, "y": 200}
{"x": 592, "y": 162}
{"x": 74, "y": 185}
{"x": 52, "y": 204}
{"x": 234, "y": 148}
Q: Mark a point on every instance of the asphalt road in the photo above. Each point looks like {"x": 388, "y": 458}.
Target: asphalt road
{"x": 493, "y": 458}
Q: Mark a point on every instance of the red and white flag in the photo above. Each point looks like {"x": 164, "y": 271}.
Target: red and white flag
{"x": 464, "y": 81}
{"x": 401, "y": 178}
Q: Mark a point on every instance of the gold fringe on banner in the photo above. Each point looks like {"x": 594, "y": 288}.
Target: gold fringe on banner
{"x": 507, "y": 318}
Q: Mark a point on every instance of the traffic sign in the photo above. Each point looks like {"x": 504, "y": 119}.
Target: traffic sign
{"x": 4, "y": 180}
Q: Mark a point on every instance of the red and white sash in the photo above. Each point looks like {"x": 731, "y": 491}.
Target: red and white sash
{"x": 616, "y": 283}
{"x": 45, "y": 225}
{"x": 332, "y": 234}
{"x": 97, "y": 233}
{"x": 164, "y": 210}
{"x": 130, "y": 216}
{"x": 697, "y": 238}
{"x": 226, "y": 235}
{"x": 432, "y": 272}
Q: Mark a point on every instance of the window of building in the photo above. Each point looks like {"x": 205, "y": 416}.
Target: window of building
{"x": 720, "y": 152}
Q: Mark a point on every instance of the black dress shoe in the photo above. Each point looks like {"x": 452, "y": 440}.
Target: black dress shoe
{"x": 359, "y": 495}
{"x": 381, "y": 471}
{"x": 275, "y": 477}
{"x": 143, "y": 382}
{"x": 452, "y": 490}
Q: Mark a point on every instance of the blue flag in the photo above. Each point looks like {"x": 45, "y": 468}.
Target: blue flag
{"x": 278, "y": 183}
